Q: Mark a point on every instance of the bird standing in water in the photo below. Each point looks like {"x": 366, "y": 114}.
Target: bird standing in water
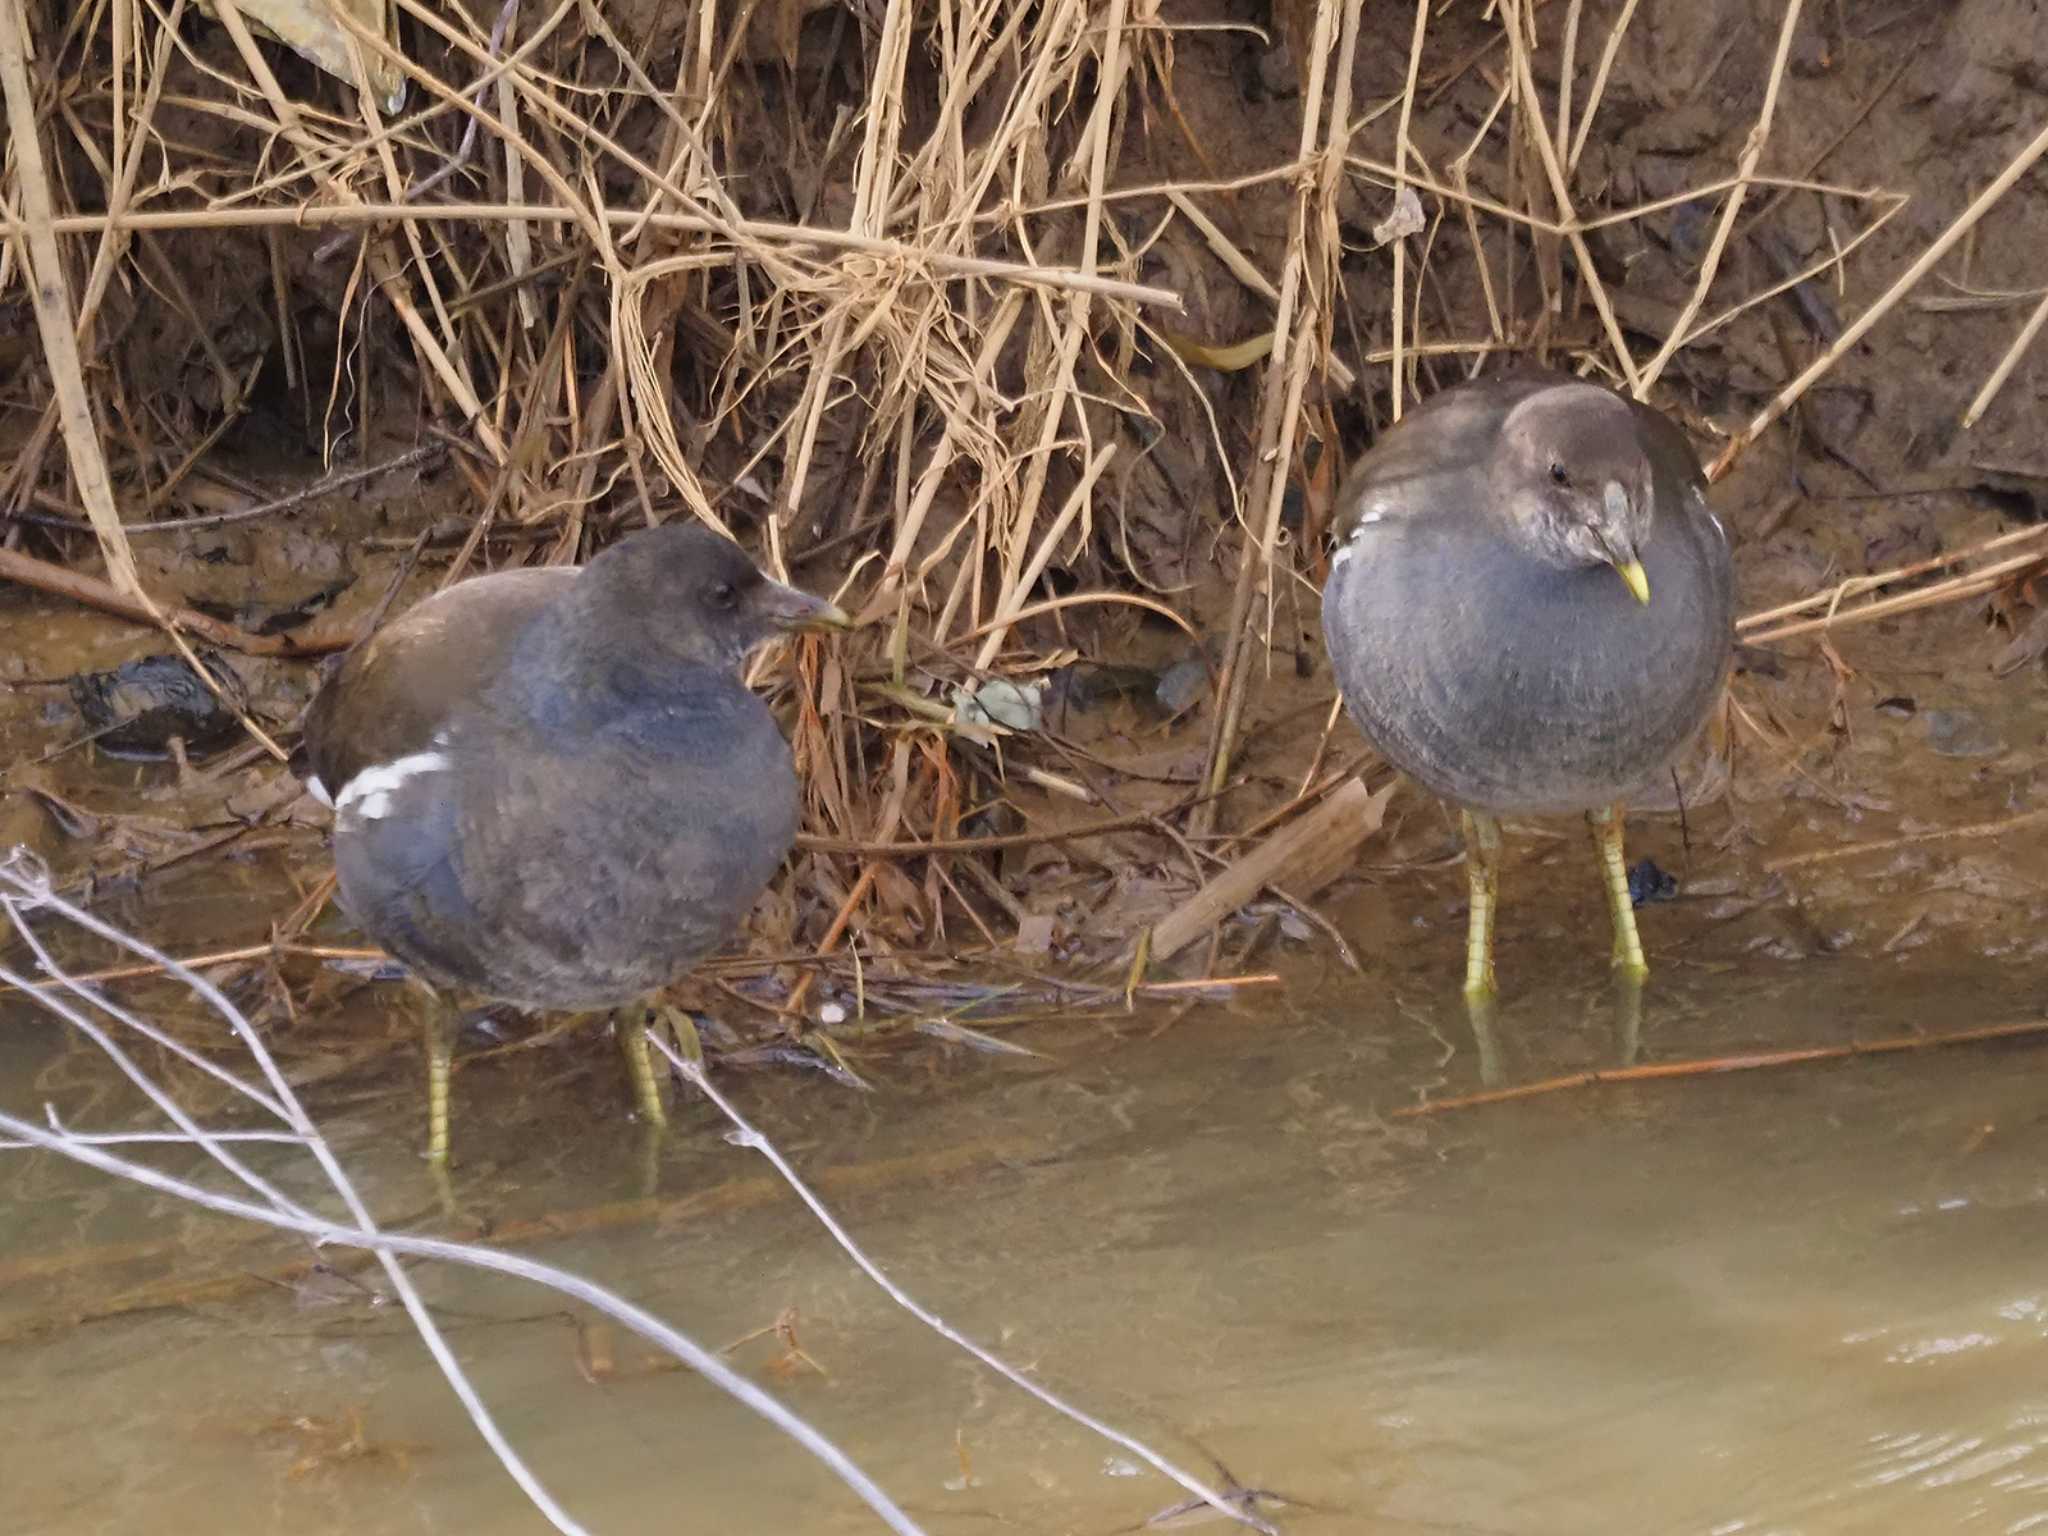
{"x": 551, "y": 787}
{"x": 1529, "y": 611}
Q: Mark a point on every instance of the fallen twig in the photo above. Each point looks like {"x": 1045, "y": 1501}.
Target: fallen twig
{"x": 1909, "y": 840}
{"x": 1714, "y": 1065}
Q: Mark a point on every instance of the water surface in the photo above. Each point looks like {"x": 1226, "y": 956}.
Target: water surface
{"x": 1796, "y": 1301}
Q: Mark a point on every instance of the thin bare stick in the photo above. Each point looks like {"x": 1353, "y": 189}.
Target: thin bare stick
{"x": 1715, "y": 1066}
{"x": 24, "y": 887}
{"x": 1910, "y": 840}
{"x": 390, "y": 1246}
{"x": 747, "y": 1136}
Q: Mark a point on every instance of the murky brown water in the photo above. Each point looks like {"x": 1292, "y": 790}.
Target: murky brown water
{"x": 1799, "y": 1301}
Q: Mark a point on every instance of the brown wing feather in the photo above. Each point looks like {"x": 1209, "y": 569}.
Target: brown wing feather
{"x": 396, "y": 700}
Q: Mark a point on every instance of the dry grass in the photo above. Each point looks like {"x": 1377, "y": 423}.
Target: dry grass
{"x": 892, "y": 293}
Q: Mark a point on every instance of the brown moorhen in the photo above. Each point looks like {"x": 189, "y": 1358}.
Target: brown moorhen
{"x": 551, "y": 787}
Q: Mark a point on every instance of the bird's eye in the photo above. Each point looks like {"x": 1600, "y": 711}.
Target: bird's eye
{"x": 1558, "y": 475}
{"x": 721, "y": 594}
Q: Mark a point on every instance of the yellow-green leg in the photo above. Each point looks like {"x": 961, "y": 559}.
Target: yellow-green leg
{"x": 632, "y": 1026}
{"x": 437, "y": 1033}
{"x": 1482, "y": 876}
{"x": 1628, "y": 945}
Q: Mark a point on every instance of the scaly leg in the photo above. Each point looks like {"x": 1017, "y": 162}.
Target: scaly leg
{"x": 1482, "y": 875}
{"x": 632, "y": 1026}
{"x": 1628, "y": 945}
{"x": 437, "y": 1021}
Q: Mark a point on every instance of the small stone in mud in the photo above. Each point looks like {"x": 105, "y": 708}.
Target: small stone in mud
{"x": 140, "y": 705}
{"x": 1647, "y": 883}
{"x": 1961, "y": 733}
{"x": 1182, "y": 685}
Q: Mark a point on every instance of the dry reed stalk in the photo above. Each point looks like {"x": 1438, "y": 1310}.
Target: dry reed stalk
{"x": 1752, "y": 153}
{"x": 1531, "y": 116}
{"x": 1854, "y": 332}
{"x": 49, "y": 285}
{"x": 1769, "y": 623}
{"x": 943, "y": 309}
{"x": 1955, "y": 589}
{"x": 1398, "y": 381}
{"x": 1287, "y": 372}
{"x": 1598, "y": 92}
{"x": 2003, "y": 371}
{"x": 1051, "y": 409}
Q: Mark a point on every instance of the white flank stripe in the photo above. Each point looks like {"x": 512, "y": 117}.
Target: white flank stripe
{"x": 368, "y": 794}
{"x": 319, "y": 791}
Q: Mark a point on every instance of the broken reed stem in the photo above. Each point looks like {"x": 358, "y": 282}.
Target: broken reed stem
{"x": 1714, "y": 1066}
{"x": 316, "y": 215}
{"x": 2006, "y": 364}
{"x": 747, "y": 1135}
{"x": 1228, "y": 252}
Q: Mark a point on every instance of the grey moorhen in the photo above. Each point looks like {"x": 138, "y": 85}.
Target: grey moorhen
{"x": 551, "y": 787}
{"x": 1530, "y": 610}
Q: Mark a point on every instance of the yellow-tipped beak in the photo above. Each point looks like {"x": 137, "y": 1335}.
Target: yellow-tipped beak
{"x": 1637, "y": 580}
{"x": 787, "y": 608}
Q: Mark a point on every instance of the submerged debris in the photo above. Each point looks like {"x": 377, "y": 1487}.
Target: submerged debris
{"x": 137, "y": 709}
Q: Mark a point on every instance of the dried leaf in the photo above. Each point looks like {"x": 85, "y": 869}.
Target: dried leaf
{"x": 309, "y": 29}
{"x": 1406, "y": 219}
